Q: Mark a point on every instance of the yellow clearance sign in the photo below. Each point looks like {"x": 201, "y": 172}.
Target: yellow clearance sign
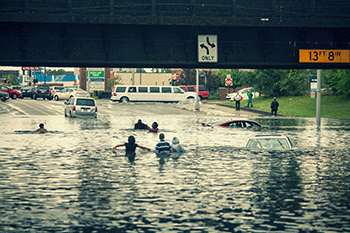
{"x": 324, "y": 56}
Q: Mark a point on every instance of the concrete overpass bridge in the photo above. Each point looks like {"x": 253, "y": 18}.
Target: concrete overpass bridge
{"x": 169, "y": 33}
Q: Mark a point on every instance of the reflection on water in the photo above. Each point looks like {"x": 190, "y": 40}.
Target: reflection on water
{"x": 70, "y": 181}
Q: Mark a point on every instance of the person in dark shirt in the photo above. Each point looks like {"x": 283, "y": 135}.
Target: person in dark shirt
{"x": 274, "y": 106}
{"x": 130, "y": 148}
{"x": 140, "y": 125}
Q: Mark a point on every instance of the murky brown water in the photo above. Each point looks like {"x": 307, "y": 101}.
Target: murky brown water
{"x": 68, "y": 180}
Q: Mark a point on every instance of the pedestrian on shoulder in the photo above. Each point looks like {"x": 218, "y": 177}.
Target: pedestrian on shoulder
{"x": 238, "y": 99}
{"x": 274, "y": 106}
{"x": 250, "y": 98}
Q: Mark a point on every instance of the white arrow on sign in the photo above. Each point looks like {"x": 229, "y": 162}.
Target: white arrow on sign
{"x": 207, "y": 48}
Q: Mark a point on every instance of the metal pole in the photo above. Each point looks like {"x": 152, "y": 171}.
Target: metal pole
{"x": 140, "y": 76}
{"x": 318, "y": 103}
{"x": 197, "y": 99}
{"x": 133, "y": 77}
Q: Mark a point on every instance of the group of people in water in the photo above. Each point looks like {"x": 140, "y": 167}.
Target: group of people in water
{"x": 163, "y": 147}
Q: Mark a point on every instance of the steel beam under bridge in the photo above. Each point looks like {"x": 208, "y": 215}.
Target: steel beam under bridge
{"x": 118, "y": 45}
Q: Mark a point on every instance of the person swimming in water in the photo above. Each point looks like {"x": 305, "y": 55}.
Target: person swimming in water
{"x": 140, "y": 125}
{"x": 130, "y": 148}
{"x": 154, "y": 127}
{"x": 41, "y": 128}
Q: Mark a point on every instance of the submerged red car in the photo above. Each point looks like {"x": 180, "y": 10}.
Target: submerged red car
{"x": 237, "y": 124}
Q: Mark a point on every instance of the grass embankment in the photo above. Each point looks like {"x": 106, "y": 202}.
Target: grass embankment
{"x": 304, "y": 106}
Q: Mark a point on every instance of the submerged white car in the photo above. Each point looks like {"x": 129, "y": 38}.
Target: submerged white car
{"x": 80, "y": 107}
{"x": 269, "y": 142}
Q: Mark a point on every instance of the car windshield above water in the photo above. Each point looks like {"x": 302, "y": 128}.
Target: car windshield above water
{"x": 269, "y": 142}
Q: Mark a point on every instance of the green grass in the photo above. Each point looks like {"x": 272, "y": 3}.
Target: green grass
{"x": 304, "y": 106}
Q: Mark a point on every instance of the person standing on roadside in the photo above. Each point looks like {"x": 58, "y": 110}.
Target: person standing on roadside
{"x": 250, "y": 98}
{"x": 238, "y": 99}
{"x": 274, "y": 106}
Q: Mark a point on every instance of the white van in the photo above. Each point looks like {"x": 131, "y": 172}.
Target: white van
{"x": 150, "y": 94}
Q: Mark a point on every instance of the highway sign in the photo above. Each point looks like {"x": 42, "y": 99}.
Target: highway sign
{"x": 207, "y": 48}
{"x": 96, "y": 74}
{"x": 324, "y": 56}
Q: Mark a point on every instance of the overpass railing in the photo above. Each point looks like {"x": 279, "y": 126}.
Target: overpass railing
{"x": 180, "y": 8}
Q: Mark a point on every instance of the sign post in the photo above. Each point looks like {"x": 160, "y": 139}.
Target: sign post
{"x": 318, "y": 104}
{"x": 229, "y": 82}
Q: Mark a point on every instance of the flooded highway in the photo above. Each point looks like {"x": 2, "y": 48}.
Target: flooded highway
{"x": 68, "y": 179}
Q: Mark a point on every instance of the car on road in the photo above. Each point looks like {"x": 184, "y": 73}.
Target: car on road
{"x": 4, "y": 96}
{"x": 243, "y": 92}
{"x": 236, "y": 124}
{"x": 150, "y": 94}
{"x": 13, "y": 94}
{"x": 69, "y": 92}
{"x": 80, "y": 107}
{"x": 42, "y": 91}
{"x": 269, "y": 142}
{"x": 28, "y": 91}
{"x": 202, "y": 91}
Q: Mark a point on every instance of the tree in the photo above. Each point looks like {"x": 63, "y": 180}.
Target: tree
{"x": 56, "y": 72}
{"x": 338, "y": 81}
{"x": 280, "y": 82}
{"x": 12, "y": 80}
{"x": 115, "y": 80}
{"x": 187, "y": 77}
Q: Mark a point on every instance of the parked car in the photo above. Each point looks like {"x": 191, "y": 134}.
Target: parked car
{"x": 236, "y": 124}
{"x": 243, "y": 92}
{"x": 269, "y": 142}
{"x": 4, "y": 96}
{"x": 69, "y": 92}
{"x": 13, "y": 94}
{"x": 28, "y": 91}
{"x": 55, "y": 89}
{"x": 42, "y": 91}
{"x": 150, "y": 94}
{"x": 80, "y": 107}
{"x": 202, "y": 91}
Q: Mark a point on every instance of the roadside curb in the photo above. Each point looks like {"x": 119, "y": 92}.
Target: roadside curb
{"x": 265, "y": 113}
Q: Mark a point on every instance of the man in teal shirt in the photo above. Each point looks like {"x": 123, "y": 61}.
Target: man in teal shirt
{"x": 250, "y": 98}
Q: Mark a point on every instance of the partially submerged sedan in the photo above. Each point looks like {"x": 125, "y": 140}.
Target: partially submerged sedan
{"x": 80, "y": 107}
{"x": 269, "y": 142}
{"x": 237, "y": 124}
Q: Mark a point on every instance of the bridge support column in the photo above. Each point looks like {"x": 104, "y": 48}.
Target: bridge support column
{"x": 82, "y": 83}
{"x": 107, "y": 78}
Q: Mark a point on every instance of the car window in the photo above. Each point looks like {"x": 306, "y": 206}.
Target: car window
{"x": 143, "y": 89}
{"x": 132, "y": 89}
{"x": 202, "y": 88}
{"x": 154, "y": 89}
{"x": 178, "y": 90}
{"x": 86, "y": 102}
{"x": 166, "y": 89}
{"x": 183, "y": 88}
{"x": 120, "y": 89}
{"x": 190, "y": 89}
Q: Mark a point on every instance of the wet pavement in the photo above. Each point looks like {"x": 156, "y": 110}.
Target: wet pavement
{"x": 68, "y": 180}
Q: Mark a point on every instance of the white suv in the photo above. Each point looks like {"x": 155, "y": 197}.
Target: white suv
{"x": 80, "y": 107}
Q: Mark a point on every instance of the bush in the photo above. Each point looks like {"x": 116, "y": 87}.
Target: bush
{"x": 213, "y": 96}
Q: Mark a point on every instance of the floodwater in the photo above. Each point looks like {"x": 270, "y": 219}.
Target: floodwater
{"x": 68, "y": 180}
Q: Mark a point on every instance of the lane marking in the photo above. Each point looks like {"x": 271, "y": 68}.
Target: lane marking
{"x": 16, "y": 108}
